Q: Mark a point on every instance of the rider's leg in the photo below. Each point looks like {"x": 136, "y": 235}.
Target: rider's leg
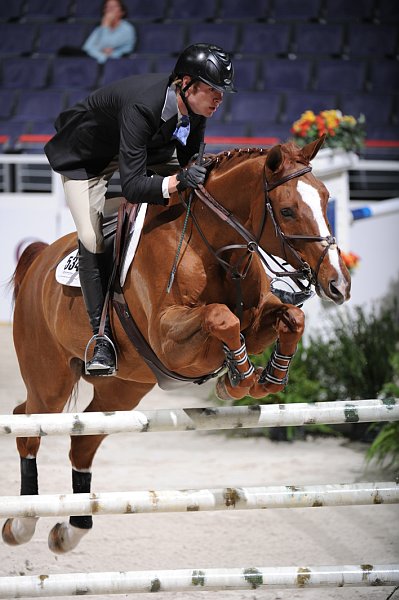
{"x": 85, "y": 199}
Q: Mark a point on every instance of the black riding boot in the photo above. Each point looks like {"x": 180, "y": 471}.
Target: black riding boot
{"x": 93, "y": 280}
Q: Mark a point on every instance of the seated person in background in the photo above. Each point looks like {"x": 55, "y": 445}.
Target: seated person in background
{"x": 115, "y": 37}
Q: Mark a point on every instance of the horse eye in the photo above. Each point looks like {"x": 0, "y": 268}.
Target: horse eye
{"x": 287, "y": 212}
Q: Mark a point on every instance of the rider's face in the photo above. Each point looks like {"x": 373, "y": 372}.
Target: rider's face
{"x": 203, "y": 99}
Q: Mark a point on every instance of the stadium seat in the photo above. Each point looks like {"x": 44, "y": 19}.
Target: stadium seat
{"x": 297, "y": 103}
{"x": 55, "y": 35}
{"x": 17, "y": 38}
{"x": 164, "y": 63}
{"x": 39, "y": 106}
{"x": 243, "y": 11}
{"x": 378, "y": 131}
{"x": 342, "y": 10}
{"x": 124, "y": 67}
{"x": 247, "y": 74}
{"x": 318, "y": 39}
{"x": 77, "y": 72}
{"x": 269, "y": 38}
{"x": 234, "y": 129}
{"x": 284, "y": 74}
{"x": 344, "y": 75}
{"x": 384, "y": 76}
{"x": 372, "y": 40}
{"x": 280, "y": 131}
{"x": 47, "y": 10}
{"x": 154, "y": 38}
{"x": 11, "y": 11}
{"x": 377, "y": 108}
{"x": 25, "y": 73}
{"x": 146, "y": 11}
{"x": 222, "y": 34}
{"x": 74, "y": 96}
{"x": 13, "y": 129}
{"x": 255, "y": 107}
{"x": 88, "y": 10}
{"x": 387, "y": 11}
{"x": 7, "y": 103}
{"x": 295, "y": 10}
{"x": 201, "y": 11}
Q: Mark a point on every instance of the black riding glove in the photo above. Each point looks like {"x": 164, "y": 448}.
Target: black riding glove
{"x": 191, "y": 177}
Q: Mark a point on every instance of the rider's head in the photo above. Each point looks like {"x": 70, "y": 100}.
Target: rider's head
{"x": 204, "y": 63}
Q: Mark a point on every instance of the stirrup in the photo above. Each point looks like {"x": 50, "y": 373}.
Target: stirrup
{"x": 292, "y": 297}
{"x": 100, "y": 370}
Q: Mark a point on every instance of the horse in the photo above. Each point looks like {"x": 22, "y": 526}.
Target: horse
{"x": 217, "y": 311}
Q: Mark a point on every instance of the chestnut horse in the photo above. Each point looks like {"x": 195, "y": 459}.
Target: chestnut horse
{"x": 268, "y": 199}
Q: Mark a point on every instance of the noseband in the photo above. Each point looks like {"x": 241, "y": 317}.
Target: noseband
{"x": 304, "y": 272}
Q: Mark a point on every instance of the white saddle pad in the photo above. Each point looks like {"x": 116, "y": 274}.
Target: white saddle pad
{"x": 67, "y": 271}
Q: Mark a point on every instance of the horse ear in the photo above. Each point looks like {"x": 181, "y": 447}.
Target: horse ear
{"x": 310, "y": 150}
{"x": 274, "y": 158}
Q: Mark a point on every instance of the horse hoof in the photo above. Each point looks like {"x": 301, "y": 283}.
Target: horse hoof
{"x": 7, "y": 534}
{"x": 64, "y": 537}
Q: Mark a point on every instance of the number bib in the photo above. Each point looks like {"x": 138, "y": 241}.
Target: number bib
{"x": 67, "y": 271}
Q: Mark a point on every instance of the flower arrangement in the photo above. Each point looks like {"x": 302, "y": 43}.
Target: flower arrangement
{"x": 351, "y": 260}
{"x": 343, "y": 131}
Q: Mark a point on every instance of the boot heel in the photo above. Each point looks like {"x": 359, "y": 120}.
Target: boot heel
{"x": 104, "y": 360}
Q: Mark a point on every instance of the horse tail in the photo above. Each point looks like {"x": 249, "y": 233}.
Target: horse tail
{"x": 25, "y": 260}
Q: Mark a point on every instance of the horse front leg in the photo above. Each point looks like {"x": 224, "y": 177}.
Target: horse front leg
{"x": 290, "y": 325}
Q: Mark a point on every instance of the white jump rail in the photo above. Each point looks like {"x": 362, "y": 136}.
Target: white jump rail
{"x": 228, "y": 498}
{"x": 189, "y": 419}
{"x": 88, "y": 584}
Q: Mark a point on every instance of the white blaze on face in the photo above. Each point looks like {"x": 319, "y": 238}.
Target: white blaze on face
{"x": 311, "y": 197}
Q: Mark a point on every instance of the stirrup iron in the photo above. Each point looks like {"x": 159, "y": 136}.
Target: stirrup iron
{"x": 105, "y": 371}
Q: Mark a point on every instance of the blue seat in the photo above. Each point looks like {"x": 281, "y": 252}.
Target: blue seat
{"x": 319, "y": 39}
{"x": 255, "y": 107}
{"x": 233, "y": 129}
{"x": 221, "y": 34}
{"x": 74, "y": 96}
{"x": 268, "y": 38}
{"x": 55, "y": 35}
{"x": 295, "y": 10}
{"x": 25, "y": 73}
{"x": 88, "y": 10}
{"x": 43, "y": 128}
{"x": 279, "y": 131}
{"x": 246, "y": 74}
{"x": 154, "y": 38}
{"x": 201, "y": 11}
{"x": 284, "y": 74}
{"x": 377, "y": 108}
{"x": 297, "y": 103}
{"x": 239, "y": 10}
{"x": 387, "y": 11}
{"x": 7, "y": 104}
{"x": 124, "y": 67}
{"x": 372, "y": 40}
{"x": 382, "y": 131}
{"x": 74, "y": 72}
{"x": 47, "y": 9}
{"x": 341, "y": 10}
{"x": 164, "y": 63}
{"x": 138, "y": 10}
{"x": 345, "y": 75}
{"x": 12, "y": 10}
{"x": 39, "y": 106}
{"x": 17, "y": 38}
{"x": 384, "y": 76}
{"x": 13, "y": 129}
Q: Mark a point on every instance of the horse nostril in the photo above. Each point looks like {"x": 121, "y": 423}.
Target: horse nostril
{"x": 335, "y": 293}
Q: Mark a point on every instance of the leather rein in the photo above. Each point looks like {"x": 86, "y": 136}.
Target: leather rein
{"x": 303, "y": 272}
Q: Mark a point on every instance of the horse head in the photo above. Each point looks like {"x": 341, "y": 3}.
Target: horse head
{"x": 296, "y": 226}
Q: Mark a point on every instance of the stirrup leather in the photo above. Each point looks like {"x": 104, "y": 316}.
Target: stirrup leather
{"x": 107, "y": 370}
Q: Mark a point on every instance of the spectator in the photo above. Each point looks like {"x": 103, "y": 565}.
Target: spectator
{"x": 115, "y": 37}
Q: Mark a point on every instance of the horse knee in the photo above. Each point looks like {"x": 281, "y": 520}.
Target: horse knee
{"x": 221, "y": 322}
{"x": 292, "y": 320}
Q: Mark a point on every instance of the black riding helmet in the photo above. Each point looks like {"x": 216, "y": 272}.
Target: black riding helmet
{"x": 207, "y": 63}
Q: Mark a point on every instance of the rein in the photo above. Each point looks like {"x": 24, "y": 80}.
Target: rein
{"x": 252, "y": 244}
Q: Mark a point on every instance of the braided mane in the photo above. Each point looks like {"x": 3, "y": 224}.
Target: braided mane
{"x": 226, "y": 158}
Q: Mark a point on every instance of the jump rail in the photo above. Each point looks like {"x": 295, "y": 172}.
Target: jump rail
{"x": 189, "y": 419}
{"x": 76, "y": 584}
{"x": 231, "y": 498}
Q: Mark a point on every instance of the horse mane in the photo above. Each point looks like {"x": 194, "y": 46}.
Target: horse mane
{"x": 226, "y": 158}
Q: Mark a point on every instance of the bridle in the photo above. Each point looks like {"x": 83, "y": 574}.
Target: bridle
{"x": 300, "y": 274}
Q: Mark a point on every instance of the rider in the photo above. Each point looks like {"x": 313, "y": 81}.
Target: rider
{"x": 148, "y": 127}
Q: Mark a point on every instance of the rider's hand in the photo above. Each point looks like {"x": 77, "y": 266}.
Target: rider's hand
{"x": 191, "y": 177}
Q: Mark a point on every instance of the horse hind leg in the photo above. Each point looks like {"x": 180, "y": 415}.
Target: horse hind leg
{"x": 109, "y": 396}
